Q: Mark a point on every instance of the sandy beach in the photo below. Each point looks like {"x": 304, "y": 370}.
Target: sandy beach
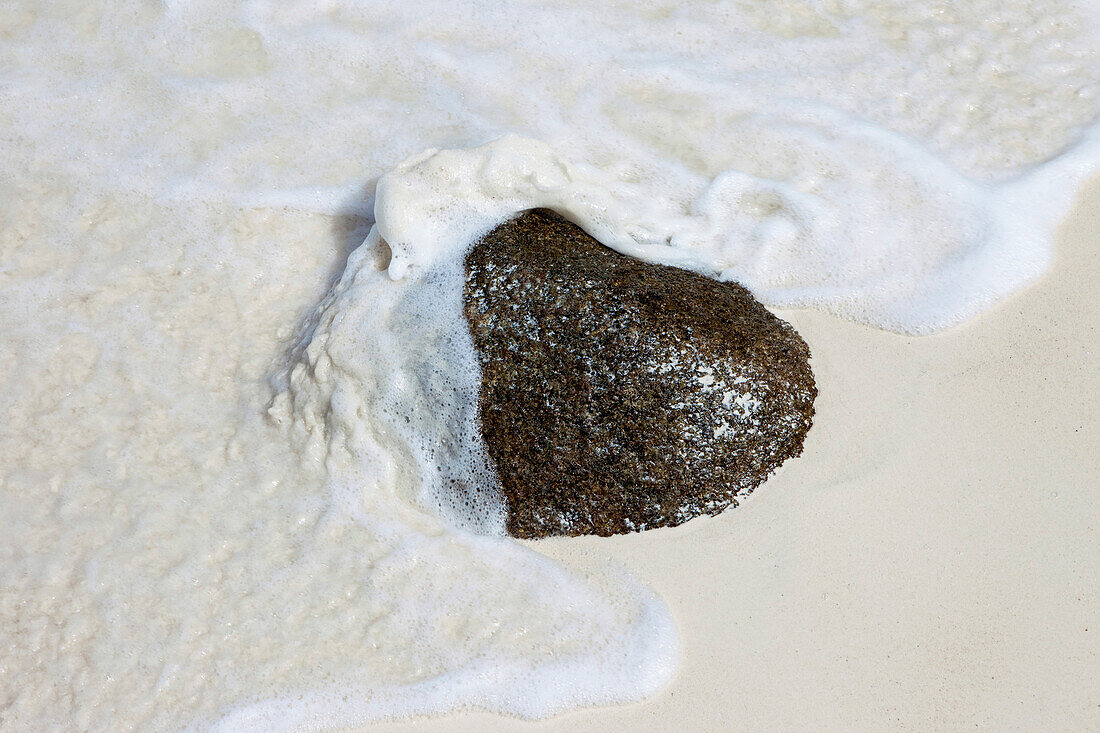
{"x": 244, "y": 476}
{"x": 931, "y": 561}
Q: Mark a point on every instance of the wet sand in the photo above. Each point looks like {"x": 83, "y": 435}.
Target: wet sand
{"x": 931, "y": 562}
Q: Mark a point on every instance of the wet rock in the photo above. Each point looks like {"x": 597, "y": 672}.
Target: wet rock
{"x": 619, "y": 395}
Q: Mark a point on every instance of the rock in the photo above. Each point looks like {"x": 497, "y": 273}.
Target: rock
{"x": 619, "y": 395}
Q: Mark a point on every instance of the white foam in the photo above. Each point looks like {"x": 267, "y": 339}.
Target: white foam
{"x": 628, "y": 667}
{"x": 892, "y": 236}
{"x": 196, "y": 538}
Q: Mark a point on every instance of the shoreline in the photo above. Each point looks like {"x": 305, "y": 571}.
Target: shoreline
{"x": 928, "y": 563}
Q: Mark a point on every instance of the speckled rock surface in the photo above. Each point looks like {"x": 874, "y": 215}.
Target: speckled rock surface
{"x": 619, "y": 395}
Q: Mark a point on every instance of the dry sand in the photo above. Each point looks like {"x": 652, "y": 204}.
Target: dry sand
{"x": 932, "y": 562}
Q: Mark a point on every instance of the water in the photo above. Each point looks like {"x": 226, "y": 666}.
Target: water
{"x": 216, "y": 512}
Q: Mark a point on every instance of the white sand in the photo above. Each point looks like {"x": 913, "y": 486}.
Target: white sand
{"x": 182, "y": 181}
{"x": 930, "y": 563}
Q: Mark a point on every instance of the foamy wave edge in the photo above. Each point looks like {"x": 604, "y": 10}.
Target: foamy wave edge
{"x": 930, "y": 252}
{"x": 649, "y": 662}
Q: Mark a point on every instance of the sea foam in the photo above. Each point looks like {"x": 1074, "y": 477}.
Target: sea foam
{"x": 890, "y": 236}
{"x": 245, "y": 487}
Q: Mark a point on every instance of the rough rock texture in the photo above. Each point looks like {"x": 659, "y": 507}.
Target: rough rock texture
{"x": 619, "y": 395}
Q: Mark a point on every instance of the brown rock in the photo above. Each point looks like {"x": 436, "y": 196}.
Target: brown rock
{"x": 619, "y": 395}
